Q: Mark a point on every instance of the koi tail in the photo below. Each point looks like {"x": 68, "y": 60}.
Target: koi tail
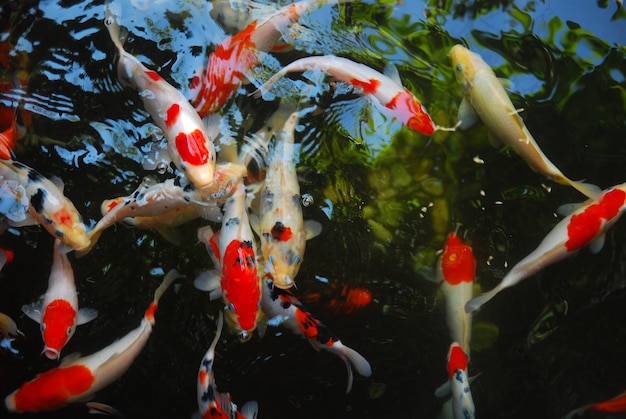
{"x": 172, "y": 275}
{"x": 351, "y": 357}
{"x": 477, "y": 302}
{"x": 587, "y": 189}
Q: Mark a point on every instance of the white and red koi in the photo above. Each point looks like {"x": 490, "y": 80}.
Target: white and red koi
{"x": 237, "y": 55}
{"x": 281, "y": 307}
{"x": 585, "y": 226}
{"x": 462, "y": 402}
{"x": 211, "y": 403}
{"x": 6, "y": 256}
{"x": 58, "y": 313}
{"x": 189, "y": 142}
{"x": 47, "y": 204}
{"x": 457, "y": 271}
{"x": 77, "y": 379}
{"x": 486, "y": 98}
{"x": 397, "y": 100}
{"x": 239, "y": 280}
{"x": 614, "y": 405}
{"x": 8, "y": 131}
{"x": 282, "y": 229}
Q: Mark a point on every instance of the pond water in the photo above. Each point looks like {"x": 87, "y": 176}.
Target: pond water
{"x": 386, "y": 196}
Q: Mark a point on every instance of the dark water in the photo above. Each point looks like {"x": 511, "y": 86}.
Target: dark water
{"x": 386, "y": 196}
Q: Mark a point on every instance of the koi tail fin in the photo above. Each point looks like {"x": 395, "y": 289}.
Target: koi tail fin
{"x": 589, "y": 190}
{"x": 477, "y": 302}
{"x": 250, "y": 410}
{"x": 171, "y": 276}
{"x": 352, "y": 359}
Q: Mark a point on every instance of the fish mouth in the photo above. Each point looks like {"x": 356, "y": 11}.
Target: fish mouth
{"x": 51, "y": 353}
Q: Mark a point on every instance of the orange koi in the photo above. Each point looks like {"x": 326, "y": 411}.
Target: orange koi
{"x": 58, "y": 313}
{"x": 614, "y": 405}
{"x": 211, "y": 403}
{"x": 77, "y": 379}
{"x": 281, "y": 307}
{"x": 189, "y": 143}
{"x": 340, "y": 300}
{"x": 587, "y": 225}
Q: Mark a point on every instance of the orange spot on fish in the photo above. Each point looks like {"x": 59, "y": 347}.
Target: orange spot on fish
{"x": 584, "y": 227}
{"x": 410, "y": 112}
{"x": 113, "y": 204}
{"x": 64, "y": 217}
{"x": 280, "y": 232}
{"x": 9, "y": 254}
{"x": 369, "y": 87}
{"x": 457, "y": 360}
{"x": 150, "y": 311}
{"x": 306, "y": 322}
{"x": 50, "y": 390}
{"x": 172, "y": 115}
{"x": 192, "y": 147}
{"x": 153, "y": 75}
{"x": 58, "y": 316}
{"x": 240, "y": 282}
{"x": 457, "y": 262}
{"x": 616, "y": 405}
{"x": 346, "y": 301}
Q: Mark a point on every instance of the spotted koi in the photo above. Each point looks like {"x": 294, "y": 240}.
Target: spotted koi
{"x": 462, "y": 402}
{"x": 587, "y": 225}
{"x": 58, "y": 313}
{"x": 77, "y": 379}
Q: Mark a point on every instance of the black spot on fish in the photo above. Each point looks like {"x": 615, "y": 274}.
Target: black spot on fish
{"x": 177, "y": 181}
{"x": 34, "y": 176}
{"x": 38, "y": 200}
{"x": 280, "y": 232}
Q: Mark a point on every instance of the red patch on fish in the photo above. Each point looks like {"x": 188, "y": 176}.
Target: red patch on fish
{"x": 113, "y": 204}
{"x": 192, "y": 147}
{"x": 172, "y": 115}
{"x": 369, "y": 87}
{"x": 346, "y": 301}
{"x": 9, "y": 254}
{"x": 280, "y": 232}
{"x": 616, "y": 405}
{"x": 64, "y": 217}
{"x": 50, "y": 389}
{"x": 153, "y": 75}
{"x": 584, "y": 227}
{"x": 306, "y": 322}
{"x": 240, "y": 282}
{"x": 58, "y": 316}
{"x": 150, "y": 311}
{"x": 457, "y": 262}
{"x": 457, "y": 360}
{"x": 411, "y": 112}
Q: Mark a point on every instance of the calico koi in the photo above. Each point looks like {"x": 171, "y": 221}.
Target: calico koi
{"x": 211, "y": 403}
{"x": 486, "y": 98}
{"x": 462, "y": 402}
{"x": 282, "y": 229}
{"x": 457, "y": 270}
{"x": 397, "y": 100}
{"x": 587, "y": 225}
{"x": 233, "y": 59}
{"x": 77, "y": 379}
{"x": 58, "y": 313}
{"x": 47, "y": 205}
{"x": 281, "y": 307}
{"x": 189, "y": 143}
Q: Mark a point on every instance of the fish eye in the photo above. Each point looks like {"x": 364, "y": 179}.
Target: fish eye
{"x": 70, "y": 330}
{"x": 43, "y": 327}
{"x": 108, "y": 21}
{"x": 459, "y": 67}
{"x": 231, "y": 307}
{"x": 244, "y": 336}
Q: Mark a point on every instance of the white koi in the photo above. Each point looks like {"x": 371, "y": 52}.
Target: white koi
{"x": 281, "y": 307}
{"x": 282, "y": 229}
{"x": 585, "y": 226}
{"x": 486, "y": 98}
{"x": 396, "y": 100}
{"x": 77, "y": 379}
{"x": 189, "y": 142}
{"x": 58, "y": 313}
{"x": 47, "y": 204}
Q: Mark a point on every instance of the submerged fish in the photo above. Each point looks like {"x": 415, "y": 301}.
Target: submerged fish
{"x": 211, "y": 403}
{"x": 397, "y": 100}
{"x": 189, "y": 143}
{"x": 486, "y": 98}
{"x": 282, "y": 229}
{"x": 462, "y": 402}
{"x": 587, "y": 225}
{"x": 58, "y": 313}
{"x": 77, "y": 379}
{"x": 281, "y": 307}
{"x": 614, "y": 405}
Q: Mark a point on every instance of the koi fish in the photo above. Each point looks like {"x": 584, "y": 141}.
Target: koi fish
{"x": 457, "y": 271}
{"x": 281, "y": 307}
{"x": 340, "y": 300}
{"x": 189, "y": 143}
{"x": 237, "y": 55}
{"x": 8, "y": 130}
{"x": 47, "y": 204}
{"x": 234, "y": 251}
{"x": 486, "y": 98}
{"x": 397, "y": 100}
{"x": 587, "y": 225}
{"x": 77, "y": 379}
{"x": 8, "y": 334}
{"x": 462, "y": 402}
{"x": 211, "y": 403}
{"x": 58, "y": 313}
{"x": 614, "y": 405}
{"x": 282, "y": 229}
{"x": 6, "y": 256}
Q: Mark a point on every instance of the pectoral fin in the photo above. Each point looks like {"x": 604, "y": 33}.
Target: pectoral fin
{"x": 209, "y": 281}
{"x": 597, "y": 244}
{"x": 33, "y": 310}
{"x": 467, "y": 116}
{"x": 312, "y": 229}
{"x": 85, "y": 315}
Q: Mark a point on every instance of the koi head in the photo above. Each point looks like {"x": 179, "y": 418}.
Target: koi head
{"x": 457, "y": 262}
{"x": 457, "y": 360}
{"x": 411, "y": 112}
{"x": 466, "y": 64}
{"x": 58, "y": 324}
